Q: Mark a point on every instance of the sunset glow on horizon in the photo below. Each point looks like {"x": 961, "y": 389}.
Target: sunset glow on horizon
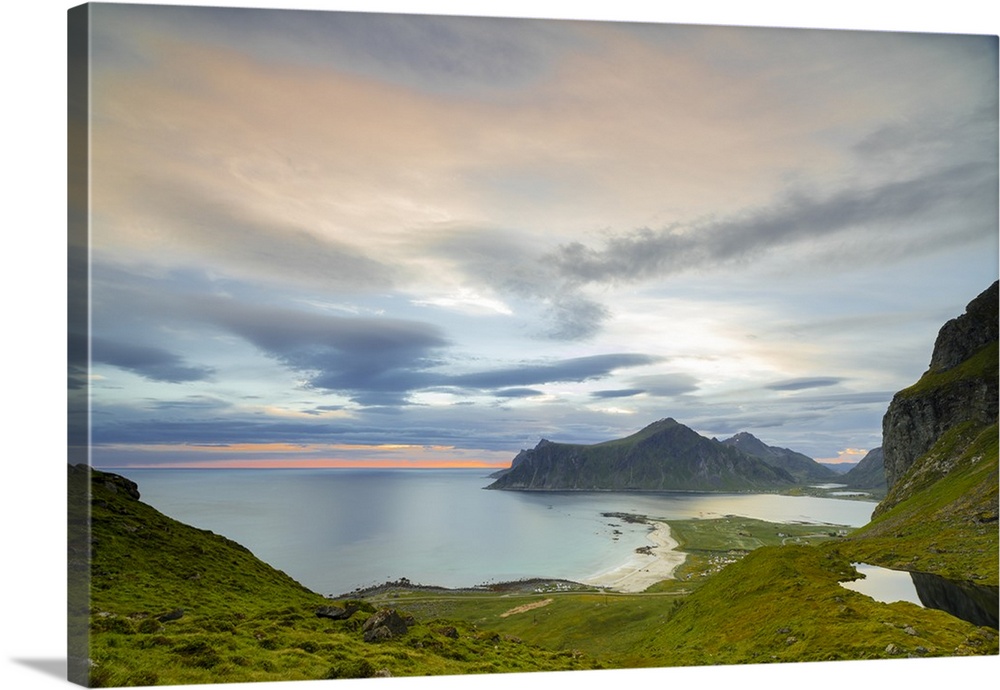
{"x": 375, "y": 463}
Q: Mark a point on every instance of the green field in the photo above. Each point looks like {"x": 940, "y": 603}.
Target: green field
{"x": 716, "y": 543}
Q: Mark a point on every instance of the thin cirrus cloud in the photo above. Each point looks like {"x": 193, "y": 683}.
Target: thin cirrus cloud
{"x": 151, "y": 362}
{"x": 667, "y": 385}
{"x": 799, "y": 217}
{"x": 184, "y": 224}
{"x": 576, "y": 369}
{"x": 443, "y": 55}
{"x": 618, "y": 393}
{"x": 804, "y": 384}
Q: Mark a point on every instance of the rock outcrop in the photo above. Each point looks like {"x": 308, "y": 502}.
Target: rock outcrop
{"x": 116, "y": 483}
{"x": 964, "y": 336}
{"x": 385, "y": 624}
{"x": 960, "y": 386}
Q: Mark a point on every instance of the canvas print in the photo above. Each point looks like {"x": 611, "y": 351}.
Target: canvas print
{"x": 415, "y": 345}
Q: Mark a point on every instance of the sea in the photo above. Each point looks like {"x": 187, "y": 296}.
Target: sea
{"x": 338, "y": 530}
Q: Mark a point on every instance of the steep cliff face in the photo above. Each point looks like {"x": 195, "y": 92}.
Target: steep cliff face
{"x": 964, "y": 336}
{"x": 940, "y": 443}
{"x": 960, "y": 386}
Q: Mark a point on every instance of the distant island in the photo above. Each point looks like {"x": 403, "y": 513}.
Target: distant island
{"x": 664, "y": 456}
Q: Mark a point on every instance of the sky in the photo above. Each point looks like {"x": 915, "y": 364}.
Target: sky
{"x": 343, "y": 239}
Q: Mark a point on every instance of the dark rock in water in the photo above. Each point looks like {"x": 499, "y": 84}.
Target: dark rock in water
{"x": 336, "y": 613}
{"x": 385, "y": 624}
{"x": 171, "y": 615}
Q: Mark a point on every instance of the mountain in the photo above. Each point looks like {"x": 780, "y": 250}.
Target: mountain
{"x": 665, "y": 455}
{"x": 839, "y": 467}
{"x": 867, "y": 474}
{"x": 800, "y": 466}
{"x": 940, "y": 446}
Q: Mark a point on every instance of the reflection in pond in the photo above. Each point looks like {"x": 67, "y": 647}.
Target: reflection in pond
{"x": 883, "y": 584}
{"x": 977, "y": 604}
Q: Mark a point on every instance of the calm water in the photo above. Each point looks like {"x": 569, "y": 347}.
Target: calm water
{"x": 336, "y": 530}
{"x": 883, "y": 584}
{"x": 969, "y": 601}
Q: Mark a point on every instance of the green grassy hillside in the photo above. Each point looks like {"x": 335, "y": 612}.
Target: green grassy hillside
{"x": 785, "y": 603}
{"x": 171, "y": 604}
{"x": 943, "y": 515}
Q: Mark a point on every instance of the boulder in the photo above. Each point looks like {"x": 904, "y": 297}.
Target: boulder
{"x": 385, "y": 624}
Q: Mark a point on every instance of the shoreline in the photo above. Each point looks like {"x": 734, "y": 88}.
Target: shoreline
{"x": 644, "y": 568}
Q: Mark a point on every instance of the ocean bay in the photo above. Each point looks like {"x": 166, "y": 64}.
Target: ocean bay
{"x": 335, "y": 530}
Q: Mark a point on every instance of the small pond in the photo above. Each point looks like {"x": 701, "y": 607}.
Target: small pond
{"x": 883, "y": 584}
{"x": 977, "y": 604}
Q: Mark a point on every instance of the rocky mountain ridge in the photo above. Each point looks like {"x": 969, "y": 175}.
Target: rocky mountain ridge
{"x": 800, "y": 466}
{"x": 663, "y": 456}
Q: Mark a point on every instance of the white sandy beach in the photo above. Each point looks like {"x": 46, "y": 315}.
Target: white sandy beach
{"x": 642, "y": 570}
